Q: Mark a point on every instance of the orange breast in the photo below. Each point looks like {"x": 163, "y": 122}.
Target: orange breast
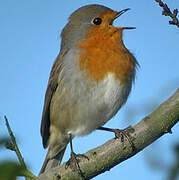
{"x": 103, "y": 52}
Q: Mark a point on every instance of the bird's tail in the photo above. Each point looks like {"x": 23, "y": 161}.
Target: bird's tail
{"x": 51, "y": 162}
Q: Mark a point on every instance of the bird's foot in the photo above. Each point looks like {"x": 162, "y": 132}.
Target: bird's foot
{"x": 74, "y": 160}
{"x": 121, "y": 134}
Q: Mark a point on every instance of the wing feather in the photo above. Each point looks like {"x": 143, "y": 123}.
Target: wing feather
{"x": 51, "y": 88}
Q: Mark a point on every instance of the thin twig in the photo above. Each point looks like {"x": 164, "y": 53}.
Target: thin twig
{"x": 167, "y": 12}
{"x": 13, "y": 146}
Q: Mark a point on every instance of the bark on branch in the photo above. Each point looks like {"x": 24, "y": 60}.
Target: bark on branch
{"x": 113, "y": 152}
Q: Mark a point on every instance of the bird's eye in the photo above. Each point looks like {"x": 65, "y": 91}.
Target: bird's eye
{"x": 97, "y": 21}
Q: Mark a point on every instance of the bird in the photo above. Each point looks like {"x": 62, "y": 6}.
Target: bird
{"x": 90, "y": 80}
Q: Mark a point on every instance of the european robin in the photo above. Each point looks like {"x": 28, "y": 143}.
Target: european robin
{"x": 90, "y": 80}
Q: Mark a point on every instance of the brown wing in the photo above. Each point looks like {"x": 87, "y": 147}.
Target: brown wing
{"x": 51, "y": 88}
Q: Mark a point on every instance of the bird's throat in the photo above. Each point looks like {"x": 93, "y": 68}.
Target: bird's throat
{"x": 103, "y": 52}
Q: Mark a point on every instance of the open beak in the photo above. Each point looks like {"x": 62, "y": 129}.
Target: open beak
{"x": 119, "y": 14}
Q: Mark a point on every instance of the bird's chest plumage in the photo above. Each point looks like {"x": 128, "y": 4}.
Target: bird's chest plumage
{"x": 103, "y": 52}
{"x": 90, "y": 103}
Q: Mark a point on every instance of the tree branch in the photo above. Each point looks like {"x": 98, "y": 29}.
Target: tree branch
{"x": 113, "y": 152}
{"x": 166, "y": 12}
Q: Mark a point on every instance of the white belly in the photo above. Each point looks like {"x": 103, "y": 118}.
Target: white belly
{"x": 97, "y": 105}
